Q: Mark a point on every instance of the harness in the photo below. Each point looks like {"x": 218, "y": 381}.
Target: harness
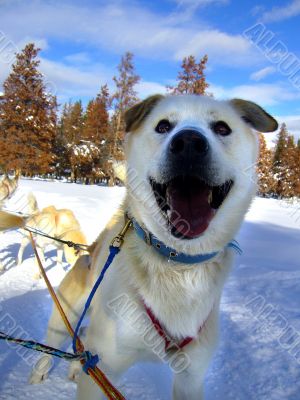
{"x": 172, "y": 254}
{"x": 88, "y": 360}
{"x": 77, "y": 246}
{"x": 169, "y": 342}
{"x": 163, "y": 250}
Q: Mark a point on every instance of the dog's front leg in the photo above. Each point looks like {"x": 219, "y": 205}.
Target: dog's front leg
{"x": 188, "y": 387}
{"x": 37, "y": 273}
{"x": 59, "y": 258}
{"x": 188, "y": 382}
{"x": 23, "y": 245}
{"x": 87, "y": 388}
{"x": 115, "y": 366}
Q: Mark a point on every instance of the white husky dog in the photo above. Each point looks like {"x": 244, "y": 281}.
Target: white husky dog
{"x": 190, "y": 180}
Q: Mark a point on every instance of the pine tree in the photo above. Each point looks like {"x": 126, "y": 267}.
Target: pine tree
{"x": 96, "y": 124}
{"x": 73, "y": 121}
{"x": 70, "y": 133}
{"x": 63, "y": 165}
{"x": 191, "y": 79}
{"x": 266, "y": 181}
{"x": 124, "y": 97}
{"x": 97, "y": 133}
{"x": 285, "y": 164}
{"x": 28, "y": 117}
{"x": 297, "y": 171}
{"x": 292, "y": 160}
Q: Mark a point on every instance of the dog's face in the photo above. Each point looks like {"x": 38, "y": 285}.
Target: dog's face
{"x": 190, "y": 167}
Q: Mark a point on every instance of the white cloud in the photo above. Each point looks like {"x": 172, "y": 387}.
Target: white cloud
{"x": 199, "y": 3}
{"x": 118, "y": 27}
{"x": 256, "y": 10}
{"x": 293, "y": 126}
{"x": 281, "y": 13}
{"x": 39, "y": 42}
{"x": 145, "y": 89}
{"x": 110, "y": 26}
{"x": 9, "y": 48}
{"x": 222, "y": 48}
{"x": 78, "y": 58}
{"x": 262, "y": 73}
{"x": 186, "y": 8}
{"x": 264, "y": 94}
{"x": 292, "y": 121}
{"x": 73, "y": 81}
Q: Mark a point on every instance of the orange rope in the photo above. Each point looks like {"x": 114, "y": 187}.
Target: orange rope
{"x": 96, "y": 374}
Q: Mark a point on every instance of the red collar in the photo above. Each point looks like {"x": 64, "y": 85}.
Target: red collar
{"x": 169, "y": 342}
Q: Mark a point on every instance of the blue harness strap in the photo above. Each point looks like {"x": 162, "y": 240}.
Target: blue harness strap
{"x": 172, "y": 254}
{"x": 235, "y": 246}
{"x": 113, "y": 251}
{"x": 160, "y": 247}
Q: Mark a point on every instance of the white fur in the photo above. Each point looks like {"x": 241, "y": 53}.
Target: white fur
{"x": 182, "y": 297}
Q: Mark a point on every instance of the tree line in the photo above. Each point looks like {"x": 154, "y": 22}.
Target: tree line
{"x": 40, "y": 138}
{"x": 78, "y": 143}
{"x": 279, "y": 167}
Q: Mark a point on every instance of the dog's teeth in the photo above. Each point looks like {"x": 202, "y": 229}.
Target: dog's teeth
{"x": 210, "y": 196}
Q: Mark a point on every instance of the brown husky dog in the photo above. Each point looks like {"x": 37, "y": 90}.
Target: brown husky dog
{"x": 8, "y": 186}
{"x": 57, "y": 223}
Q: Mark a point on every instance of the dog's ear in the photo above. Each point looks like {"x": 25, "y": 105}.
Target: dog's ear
{"x": 137, "y": 114}
{"x": 256, "y": 116}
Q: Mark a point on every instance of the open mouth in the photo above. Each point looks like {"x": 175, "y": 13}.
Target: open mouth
{"x": 189, "y": 204}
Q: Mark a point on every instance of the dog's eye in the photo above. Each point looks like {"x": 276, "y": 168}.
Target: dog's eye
{"x": 163, "y": 126}
{"x": 221, "y": 128}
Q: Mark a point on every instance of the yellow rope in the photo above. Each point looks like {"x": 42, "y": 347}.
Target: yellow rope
{"x": 96, "y": 374}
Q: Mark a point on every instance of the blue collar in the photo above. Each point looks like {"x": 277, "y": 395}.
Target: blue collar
{"x": 172, "y": 254}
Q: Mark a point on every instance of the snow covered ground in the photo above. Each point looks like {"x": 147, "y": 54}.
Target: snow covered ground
{"x": 259, "y": 352}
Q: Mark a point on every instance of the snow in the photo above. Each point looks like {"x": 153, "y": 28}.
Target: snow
{"x": 258, "y": 355}
{"x": 84, "y": 149}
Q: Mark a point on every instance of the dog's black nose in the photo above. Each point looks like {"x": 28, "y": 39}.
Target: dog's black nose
{"x": 189, "y": 143}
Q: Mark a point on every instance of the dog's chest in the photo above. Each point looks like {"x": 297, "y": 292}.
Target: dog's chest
{"x": 181, "y": 300}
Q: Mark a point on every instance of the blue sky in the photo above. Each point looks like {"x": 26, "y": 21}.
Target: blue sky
{"x": 82, "y": 44}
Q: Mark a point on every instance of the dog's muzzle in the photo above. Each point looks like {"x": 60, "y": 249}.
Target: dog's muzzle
{"x": 188, "y": 152}
{"x": 189, "y": 192}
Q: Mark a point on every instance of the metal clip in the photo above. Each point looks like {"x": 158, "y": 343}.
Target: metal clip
{"x": 147, "y": 238}
{"x": 119, "y": 239}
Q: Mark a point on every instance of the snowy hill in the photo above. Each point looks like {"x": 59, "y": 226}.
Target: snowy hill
{"x": 259, "y": 352}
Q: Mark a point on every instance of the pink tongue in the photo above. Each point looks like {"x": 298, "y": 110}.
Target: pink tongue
{"x": 190, "y": 210}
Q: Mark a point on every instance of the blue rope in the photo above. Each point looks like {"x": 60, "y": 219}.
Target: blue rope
{"x": 235, "y": 245}
{"x": 90, "y": 361}
{"x": 113, "y": 251}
